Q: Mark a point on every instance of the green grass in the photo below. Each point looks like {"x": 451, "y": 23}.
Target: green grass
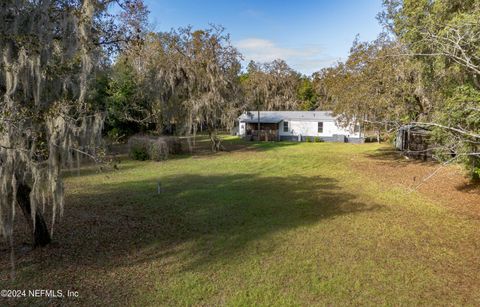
{"x": 265, "y": 224}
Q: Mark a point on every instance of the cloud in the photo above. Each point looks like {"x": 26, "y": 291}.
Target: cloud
{"x": 307, "y": 59}
{"x": 263, "y": 50}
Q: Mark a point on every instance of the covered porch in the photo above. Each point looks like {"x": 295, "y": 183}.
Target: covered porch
{"x": 267, "y": 131}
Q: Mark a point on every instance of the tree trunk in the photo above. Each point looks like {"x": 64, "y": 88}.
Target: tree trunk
{"x": 476, "y": 81}
{"x": 195, "y": 135}
{"x": 39, "y": 230}
{"x": 216, "y": 142}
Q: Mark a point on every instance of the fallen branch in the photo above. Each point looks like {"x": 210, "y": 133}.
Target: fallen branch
{"x": 425, "y": 179}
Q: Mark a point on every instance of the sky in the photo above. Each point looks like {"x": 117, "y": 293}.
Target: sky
{"x": 307, "y": 34}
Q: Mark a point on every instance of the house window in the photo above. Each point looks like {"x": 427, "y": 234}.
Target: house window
{"x": 285, "y": 126}
{"x": 356, "y": 128}
{"x": 320, "y": 127}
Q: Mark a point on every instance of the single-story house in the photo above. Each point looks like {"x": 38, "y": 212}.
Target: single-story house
{"x": 296, "y": 126}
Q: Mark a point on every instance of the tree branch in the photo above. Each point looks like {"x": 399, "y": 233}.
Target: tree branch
{"x": 461, "y": 131}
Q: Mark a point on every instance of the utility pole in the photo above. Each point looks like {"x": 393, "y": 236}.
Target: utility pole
{"x": 258, "y": 112}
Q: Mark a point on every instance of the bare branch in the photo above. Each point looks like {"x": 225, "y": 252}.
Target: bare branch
{"x": 461, "y": 131}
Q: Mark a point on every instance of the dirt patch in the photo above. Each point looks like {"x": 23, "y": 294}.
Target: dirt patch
{"x": 447, "y": 185}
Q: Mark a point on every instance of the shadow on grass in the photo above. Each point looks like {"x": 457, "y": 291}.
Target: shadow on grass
{"x": 88, "y": 169}
{"x": 202, "y": 149}
{"x": 471, "y": 187}
{"x": 389, "y": 154}
{"x": 232, "y": 144}
{"x": 195, "y": 221}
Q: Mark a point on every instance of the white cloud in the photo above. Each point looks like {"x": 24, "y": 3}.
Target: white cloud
{"x": 264, "y": 50}
{"x": 306, "y": 60}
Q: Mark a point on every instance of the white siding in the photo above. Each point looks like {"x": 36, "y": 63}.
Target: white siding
{"x": 301, "y": 123}
{"x": 241, "y": 128}
{"x": 310, "y": 128}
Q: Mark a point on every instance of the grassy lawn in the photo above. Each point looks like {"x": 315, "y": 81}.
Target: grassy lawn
{"x": 264, "y": 224}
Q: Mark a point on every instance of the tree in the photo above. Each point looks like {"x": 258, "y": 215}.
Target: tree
{"x": 307, "y": 95}
{"x": 443, "y": 38}
{"x": 212, "y": 65}
{"x": 372, "y": 87}
{"x": 50, "y": 51}
{"x": 271, "y": 86}
{"x": 185, "y": 79}
{"x": 122, "y": 101}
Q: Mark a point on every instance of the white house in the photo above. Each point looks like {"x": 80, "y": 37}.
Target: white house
{"x": 297, "y": 126}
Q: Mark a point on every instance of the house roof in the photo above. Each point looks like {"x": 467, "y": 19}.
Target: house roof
{"x": 417, "y": 129}
{"x": 278, "y": 116}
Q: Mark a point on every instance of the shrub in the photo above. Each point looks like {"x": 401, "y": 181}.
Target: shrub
{"x": 372, "y": 139}
{"x": 143, "y": 147}
{"x": 369, "y": 139}
{"x": 113, "y": 134}
{"x": 317, "y": 139}
{"x": 139, "y": 153}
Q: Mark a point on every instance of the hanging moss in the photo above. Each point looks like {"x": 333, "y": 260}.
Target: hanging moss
{"x": 47, "y": 54}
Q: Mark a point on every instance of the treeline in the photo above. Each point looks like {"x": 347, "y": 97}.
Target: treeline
{"x": 423, "y": 70}
{"x": 185, "y": 80}
{"x": 69, "y": 67}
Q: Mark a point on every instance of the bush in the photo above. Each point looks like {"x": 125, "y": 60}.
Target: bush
{"x": 318, "y": 139}
{"x": 139, "y": 153}
{"x": 143, "y": 147}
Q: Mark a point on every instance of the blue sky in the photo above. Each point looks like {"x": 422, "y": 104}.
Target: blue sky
{"x": 307, "y": 34}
